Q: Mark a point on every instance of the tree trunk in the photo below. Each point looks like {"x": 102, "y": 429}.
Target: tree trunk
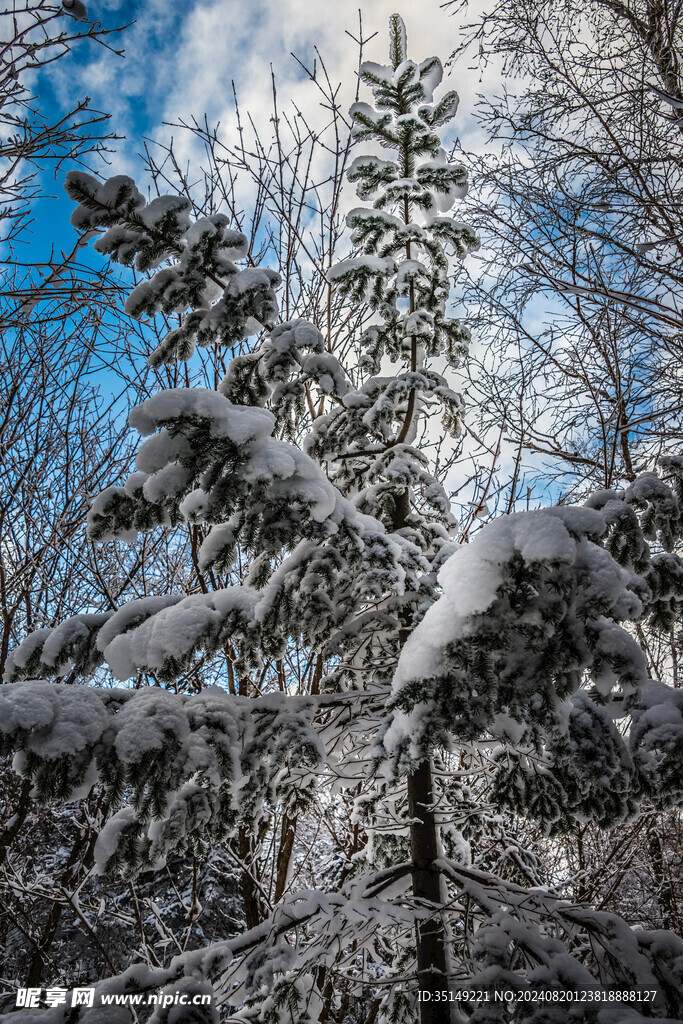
{"x": 432, "y": 953}
{"x": 284, "y": 854}
{"x": 430, "y": 935}
{"x": 665, "y": 891}
{"x": 250, "y": 900}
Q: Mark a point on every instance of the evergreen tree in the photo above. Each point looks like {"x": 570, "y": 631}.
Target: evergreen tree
{"x": 440, "y": 712}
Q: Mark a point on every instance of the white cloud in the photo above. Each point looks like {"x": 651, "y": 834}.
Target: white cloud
{"x": 224, "y": 40}
{"x": 181, "y": 59}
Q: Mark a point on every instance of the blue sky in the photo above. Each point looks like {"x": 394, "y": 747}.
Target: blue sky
{"x": 181, "y": 58}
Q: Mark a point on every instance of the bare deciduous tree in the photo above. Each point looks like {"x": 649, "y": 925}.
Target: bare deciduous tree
{"x": 579, "y": 206}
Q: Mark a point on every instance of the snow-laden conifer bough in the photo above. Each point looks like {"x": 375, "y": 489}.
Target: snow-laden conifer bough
{"x": 461, "y": 681}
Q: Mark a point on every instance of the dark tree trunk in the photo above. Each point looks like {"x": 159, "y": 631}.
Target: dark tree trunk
{"x": 250, "y": 900}
{"x": 666, "y": 893}
{"x": 432, "y": 953}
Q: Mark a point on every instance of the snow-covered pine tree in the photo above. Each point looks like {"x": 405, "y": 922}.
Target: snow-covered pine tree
{"x": 524, "y": 670}
{"x": 507, "y": 687}
{"x": 345, "y": 539}
{"x": 403, "y": 272}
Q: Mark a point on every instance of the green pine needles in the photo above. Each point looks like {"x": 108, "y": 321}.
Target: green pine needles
{"x": 455, "y": 690}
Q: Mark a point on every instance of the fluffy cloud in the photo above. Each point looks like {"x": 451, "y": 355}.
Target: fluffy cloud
{"x": 182, "y": 60}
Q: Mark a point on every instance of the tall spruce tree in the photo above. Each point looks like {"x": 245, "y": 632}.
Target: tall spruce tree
{"x": 439, "y": 712}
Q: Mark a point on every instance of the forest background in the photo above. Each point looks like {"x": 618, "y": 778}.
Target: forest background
{"x": 573, "y": 383}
